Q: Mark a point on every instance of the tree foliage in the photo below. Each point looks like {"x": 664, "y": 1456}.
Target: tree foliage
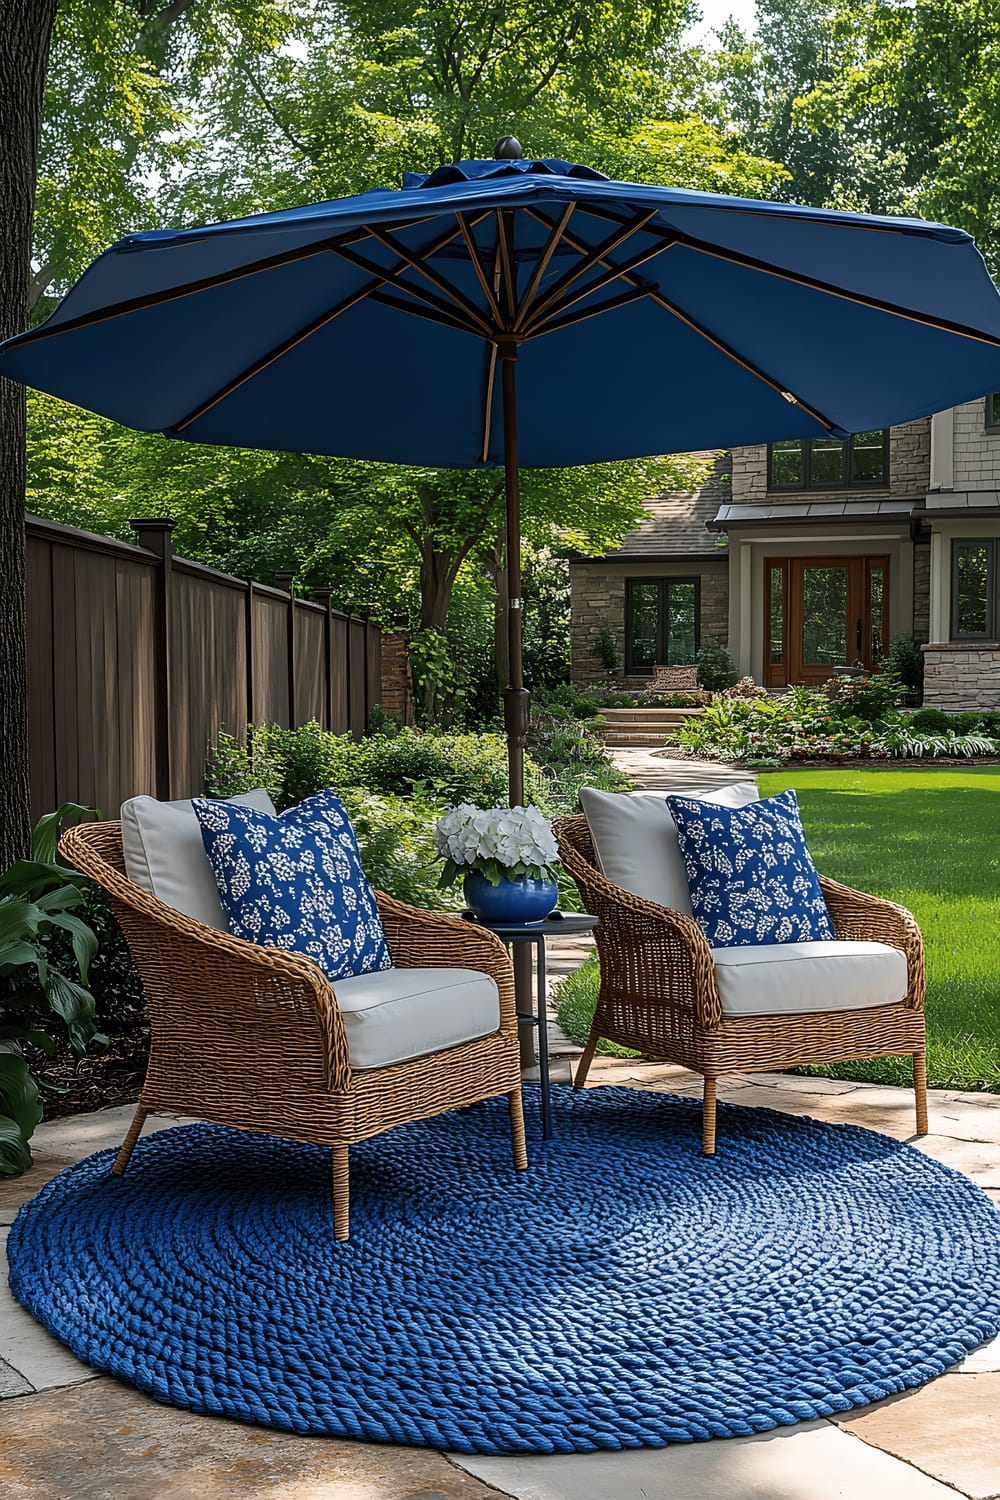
{"x": 891, "y": 106}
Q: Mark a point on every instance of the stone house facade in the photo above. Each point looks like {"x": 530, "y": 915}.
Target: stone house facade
{"x": 802, "y": 557}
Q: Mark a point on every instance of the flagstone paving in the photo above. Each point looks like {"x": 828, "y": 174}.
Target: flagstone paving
{"x": 68, "y": 1434}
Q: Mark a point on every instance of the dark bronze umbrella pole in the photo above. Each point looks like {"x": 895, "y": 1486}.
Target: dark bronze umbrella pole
{"x": 516, "y": 698}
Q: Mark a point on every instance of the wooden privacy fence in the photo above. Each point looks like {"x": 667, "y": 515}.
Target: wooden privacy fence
{"x": 137, "y": 658}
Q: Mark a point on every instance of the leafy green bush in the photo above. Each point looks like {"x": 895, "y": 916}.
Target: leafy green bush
{"x": 294, "y": 763}
{"x": 396, "y": 839}
{"x": 935, "y": 721}
{"x": 905, "y": 660}
{"x": 39, "y": 898}
{"x": 869, "y": 696}
{"x": 605, "y": 650}
{"x": 716, "y": 668}
{"x": 570, "y": 756}
{"x": 803, "y": 725}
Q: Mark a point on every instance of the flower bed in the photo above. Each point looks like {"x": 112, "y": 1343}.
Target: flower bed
{"x": 846, "y": 719}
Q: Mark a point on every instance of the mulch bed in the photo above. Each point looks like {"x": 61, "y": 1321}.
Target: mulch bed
{"x": 844, "y": 763}
{"x": 104, "y": 1077}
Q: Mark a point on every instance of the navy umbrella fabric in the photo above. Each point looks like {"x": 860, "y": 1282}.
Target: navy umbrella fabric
{"x": 514, "y": 312}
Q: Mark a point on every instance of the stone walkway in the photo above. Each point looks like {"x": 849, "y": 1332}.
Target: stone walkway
{"x": 69, "y": 1434}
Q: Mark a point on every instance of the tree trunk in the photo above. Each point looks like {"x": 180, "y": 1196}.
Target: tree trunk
{"x": 25, "y": 31}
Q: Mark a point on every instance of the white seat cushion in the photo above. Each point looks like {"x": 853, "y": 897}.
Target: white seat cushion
{"x": 164, "y": 853}
{"x": 784, "y": 978}
{"x": 399, "y": 1013}
{"x": 635, "y": 838}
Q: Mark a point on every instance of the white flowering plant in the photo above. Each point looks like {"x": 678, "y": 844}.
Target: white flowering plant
{"x": 500, "y": 842}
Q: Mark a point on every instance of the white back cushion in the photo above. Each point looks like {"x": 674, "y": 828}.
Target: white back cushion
{"x": 635, "y": 838}
{"x": 164, "y": 853}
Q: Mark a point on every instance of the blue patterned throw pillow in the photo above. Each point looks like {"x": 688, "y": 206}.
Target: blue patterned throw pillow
{"x": 296, "y": 882}
{"x": 751, "y": 876}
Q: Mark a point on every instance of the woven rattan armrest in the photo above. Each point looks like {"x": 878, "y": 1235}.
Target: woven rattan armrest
{"x": 859, "y": 917}
{"x": 651, "y": 954}
{"x": 419, "y": 939}
{"x": 656, "y": 955}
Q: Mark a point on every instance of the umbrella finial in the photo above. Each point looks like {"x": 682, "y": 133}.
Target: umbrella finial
{"x": 508, "y": 148}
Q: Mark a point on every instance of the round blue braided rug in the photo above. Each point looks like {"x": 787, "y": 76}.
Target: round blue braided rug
{"x": 625, "y": 1291}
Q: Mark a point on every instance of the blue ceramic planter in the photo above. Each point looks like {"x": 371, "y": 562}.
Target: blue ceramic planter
{"x": 512, "y": 900}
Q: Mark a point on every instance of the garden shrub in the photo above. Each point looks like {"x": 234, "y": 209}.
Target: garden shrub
{"x": 905, "y": 660}
{"x": 570, "y": 756}
{"x": 716, "y": 668}
{"x": 869, "y": 696}
{"x": 803, "y": 724}
{"x": 935, "y": 721}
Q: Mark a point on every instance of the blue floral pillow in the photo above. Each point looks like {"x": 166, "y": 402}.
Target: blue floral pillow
{"x": 751, "y": 876}
{"x": 296, "y": 882}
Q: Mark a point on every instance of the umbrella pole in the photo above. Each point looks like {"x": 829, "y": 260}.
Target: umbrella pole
{"x": 516, "y": 699}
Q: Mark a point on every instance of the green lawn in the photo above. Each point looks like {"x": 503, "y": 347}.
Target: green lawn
{"x": 931, "y": 840}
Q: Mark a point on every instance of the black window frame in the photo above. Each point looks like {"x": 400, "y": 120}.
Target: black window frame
{"x": 662, "y": 608}
{"x": 846, "y": 482}
{"x": 991, "y": 412}
{"x": 989, "y": 634}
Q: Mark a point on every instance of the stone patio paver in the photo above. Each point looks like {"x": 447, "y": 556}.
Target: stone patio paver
{"x": 41, "y": 1362}
{"x": 949, "y": 1429}
{"x": 104, "y": 1441}
{"x": 808, "y": 1462}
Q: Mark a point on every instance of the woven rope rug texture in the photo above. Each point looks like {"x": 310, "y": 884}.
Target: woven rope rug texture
{"x": 625, "y": 1291}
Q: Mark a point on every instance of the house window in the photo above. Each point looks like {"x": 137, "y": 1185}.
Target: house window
{"x": 829, "y": 463}
{"x": 993, "y": 412}
{"x": 662, "y": 627}
{"x": 973, "y": 590}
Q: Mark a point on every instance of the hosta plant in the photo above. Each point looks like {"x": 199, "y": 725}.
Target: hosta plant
{"x": 502, "y": 843}
{"x": 38, "y": 897}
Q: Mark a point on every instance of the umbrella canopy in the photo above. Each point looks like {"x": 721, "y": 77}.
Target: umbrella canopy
{"x": 532, "y": 312}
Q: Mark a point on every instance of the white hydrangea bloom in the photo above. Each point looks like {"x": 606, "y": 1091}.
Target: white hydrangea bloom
{"x": 511, "y": 836}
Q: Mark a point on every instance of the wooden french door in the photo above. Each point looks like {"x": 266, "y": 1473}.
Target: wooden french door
{"x": 821, "y": 613}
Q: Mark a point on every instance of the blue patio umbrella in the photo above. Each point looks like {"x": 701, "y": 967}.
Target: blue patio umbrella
{"x": 512, "y": 312}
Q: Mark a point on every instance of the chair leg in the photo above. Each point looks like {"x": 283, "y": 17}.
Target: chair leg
{"x": 920, "y": 1090}
{"x": 708, "y": 1118}
{"x": 583, "y": 1066}
{"x": 121, "y": 1160}
{"x": 341, "y": 1192}
{"x": 515, "y": 1104}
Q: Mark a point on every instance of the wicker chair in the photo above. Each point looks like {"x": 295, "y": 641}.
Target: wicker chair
{"x": 252, "y": 1037}
{"x": 659, "y": 992}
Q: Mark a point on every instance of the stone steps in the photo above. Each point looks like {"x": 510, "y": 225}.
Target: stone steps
{"x": 642, "y": 726}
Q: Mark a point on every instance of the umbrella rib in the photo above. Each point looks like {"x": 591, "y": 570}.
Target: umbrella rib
{"x": 657, "y": 296}
{"x": 390, "y": 278}
{"x": 558, "y": 230}
{"x": 285, "y": 347}
{"x": 477, "y": 266}
{"x": 488, "y": 415}
{"x": 616, "y": 272}
{"x": 445, "y": 318}
{"x": 417, "y": 263}
{"x": 556, "y": 324}
{"x": 812, "y": 283}
{"x": 505, "y": 250}
{"x": 730, "y": 353}
{"x": 945, "y": 325}
{"x": 591, "y": 258}
{"x": 187, "y": 289}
